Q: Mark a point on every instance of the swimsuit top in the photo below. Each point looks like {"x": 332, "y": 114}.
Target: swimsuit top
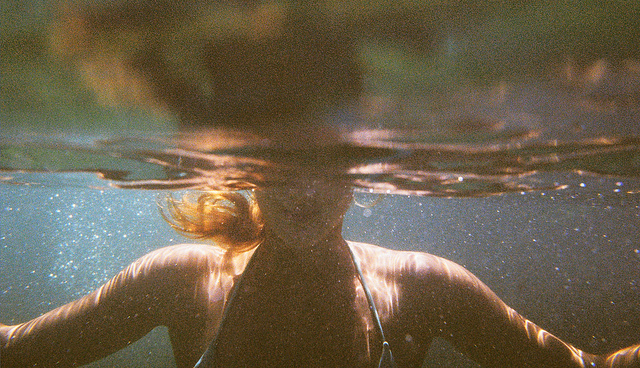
{"x": 207, "y": 359}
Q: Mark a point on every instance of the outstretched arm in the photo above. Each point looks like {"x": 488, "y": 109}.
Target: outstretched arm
{"x": 455, "y": 305}
{"x": 157, "y": 289}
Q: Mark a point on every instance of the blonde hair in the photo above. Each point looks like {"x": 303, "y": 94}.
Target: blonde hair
{"x": 230, "y": 219}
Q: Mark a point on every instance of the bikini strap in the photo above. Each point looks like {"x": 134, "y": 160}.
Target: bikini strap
{"x": 386, "y": 359}
{"x": 207, "y": 360}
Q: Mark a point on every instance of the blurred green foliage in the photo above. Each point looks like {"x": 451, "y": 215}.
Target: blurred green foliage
{"x": 405, "y": 47}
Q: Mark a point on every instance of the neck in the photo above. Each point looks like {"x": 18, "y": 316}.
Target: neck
{"x": 297, "y": 305}
{"x": 305, "y": 246}
{"x": 329, "y": 256}
{"x": 306, "y": 242}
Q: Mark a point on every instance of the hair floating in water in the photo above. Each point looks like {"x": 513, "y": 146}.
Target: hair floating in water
{"x": 230, "y": 219}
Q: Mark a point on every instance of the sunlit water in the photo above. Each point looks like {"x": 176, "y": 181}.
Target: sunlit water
{"x": 551, "y": 226}
{"x": 504, "y": 139}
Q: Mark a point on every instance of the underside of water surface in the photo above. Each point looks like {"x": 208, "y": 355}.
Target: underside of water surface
{"x": 504, "y": 136}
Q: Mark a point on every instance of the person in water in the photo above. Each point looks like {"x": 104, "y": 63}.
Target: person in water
{"x": 284, "y": 289}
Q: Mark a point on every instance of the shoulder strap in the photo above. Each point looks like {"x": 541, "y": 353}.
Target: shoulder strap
{"x": 207, "y": 360}
{"x": 386, "y": 359}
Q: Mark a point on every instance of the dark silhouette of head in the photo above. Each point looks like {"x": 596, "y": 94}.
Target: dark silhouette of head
{"x": 241, "y": 65}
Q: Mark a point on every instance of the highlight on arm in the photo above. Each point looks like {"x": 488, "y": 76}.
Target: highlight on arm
{"x": 230, "y": 219}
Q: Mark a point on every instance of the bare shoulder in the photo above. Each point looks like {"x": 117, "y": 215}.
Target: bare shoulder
{"x": 194, "y": 280}
{"x": 183, "y": 253}
{"x": 409, "y": 264}
{"x": 195, "y": 270}
{"x": 373, "y": 257}
{"x": 405, "y": 283}
{"x": 184, "y": 257}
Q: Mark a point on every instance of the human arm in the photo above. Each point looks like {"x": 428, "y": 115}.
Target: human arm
{"x": 450, "y": 302}
{"x": 160, "y": 288}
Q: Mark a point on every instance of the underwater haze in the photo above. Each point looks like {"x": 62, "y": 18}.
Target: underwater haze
{"x": 503, "y": 137}
{"x": 568, "y": 260}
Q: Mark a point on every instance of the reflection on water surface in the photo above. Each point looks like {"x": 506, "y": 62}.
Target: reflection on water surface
{"x": 376, "y": 161}
{"x": 503, "y": 137}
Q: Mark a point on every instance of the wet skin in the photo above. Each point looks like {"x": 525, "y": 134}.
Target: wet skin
{"x": 299, "y": 304}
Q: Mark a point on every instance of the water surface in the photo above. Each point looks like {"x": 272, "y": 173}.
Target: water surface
{"x": 506, "y": 139}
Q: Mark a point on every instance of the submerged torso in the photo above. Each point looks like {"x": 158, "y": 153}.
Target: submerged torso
{"x": 295, "y": 308}
{"x": 291, "y": 309}
{"x": 308, "y": 309}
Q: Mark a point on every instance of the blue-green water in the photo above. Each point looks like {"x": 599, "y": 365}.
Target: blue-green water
{"x": 502, "y": 136}
{"x": 568, "y": 260}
